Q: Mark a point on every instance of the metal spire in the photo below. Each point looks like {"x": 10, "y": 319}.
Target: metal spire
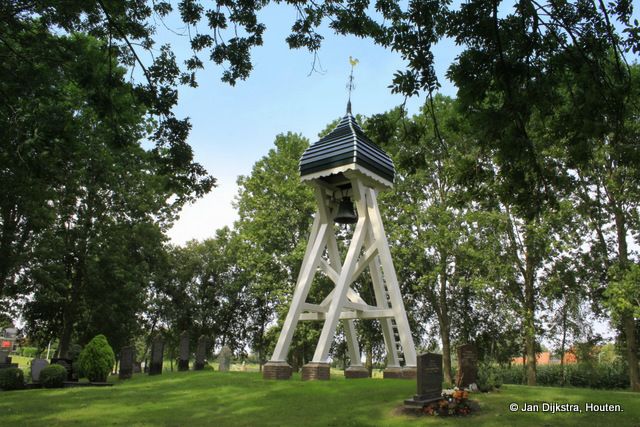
{"x": 350, "y": 85}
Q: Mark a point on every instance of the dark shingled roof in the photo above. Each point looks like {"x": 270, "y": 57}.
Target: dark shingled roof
{"x": 344, "y": 145}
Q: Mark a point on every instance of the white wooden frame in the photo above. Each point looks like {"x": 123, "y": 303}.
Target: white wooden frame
{"x": 343, "y": 303}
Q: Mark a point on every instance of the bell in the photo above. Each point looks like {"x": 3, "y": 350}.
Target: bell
{"x": 346, "y": 214}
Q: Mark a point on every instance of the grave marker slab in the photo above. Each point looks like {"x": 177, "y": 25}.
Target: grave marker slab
{"x": 429, "y": 380}
{"x": 467, "y": 365}
{"x": 37, "y": 365}
{"x": 157, "y": 354}
{"x": 183, "y": 360}
{"x": 225, "y": 359}
{"x": 201, "y": 353}
{"x": 127, "y": 355}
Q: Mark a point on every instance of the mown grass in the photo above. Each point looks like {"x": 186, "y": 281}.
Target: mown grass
{"x": 244, "y": 399}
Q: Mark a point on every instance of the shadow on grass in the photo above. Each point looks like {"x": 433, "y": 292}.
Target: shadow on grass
{"x": 244, "y": 399}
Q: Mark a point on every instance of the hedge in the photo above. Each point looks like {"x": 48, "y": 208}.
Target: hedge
{"x": 602, "y": 376}
{"x": 11, "y": 379}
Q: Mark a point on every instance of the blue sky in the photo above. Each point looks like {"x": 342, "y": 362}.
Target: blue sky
{"x": 233, "y": 127}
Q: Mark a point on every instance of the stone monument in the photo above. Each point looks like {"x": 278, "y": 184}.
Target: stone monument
{"x": 201, "y": 354}
{"x": 429, "y": 378}
{"x": 37, "y": 365}
{"x": 467, "y": 366}
{"x": 183, "y": 360}
{"x": 127, "y": 355}
{"x": 157, "y": 354}
{"x": 224, "y": 358}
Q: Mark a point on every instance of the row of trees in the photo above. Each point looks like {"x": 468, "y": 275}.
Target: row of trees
{"x": 458, "y": 239}
{"x": 540, "y": 167}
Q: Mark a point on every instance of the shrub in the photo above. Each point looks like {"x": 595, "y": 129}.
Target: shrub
{"x": 604, "y": 376}
{"x": 97, "y": 359}
{"x": 53, "y": 376}
{"x": 489, "y": 377}
{"x": 28, "y": 351}
{"x": 11, "y": 379}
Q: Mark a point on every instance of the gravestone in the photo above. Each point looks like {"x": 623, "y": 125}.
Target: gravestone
{"x": 157, "y": 352}
{"x": 127, "y": 355}
{"x": 429, "y": 378}
{"x": 201, "y": 353}
{"x": 137, "y": 367}
{"x": 183, "y": 360}
{"x": 467, "y": 366}
{"x": 68, "y": 365}
{"x": 37, "y": 365}
{"x": 225, "y": 359}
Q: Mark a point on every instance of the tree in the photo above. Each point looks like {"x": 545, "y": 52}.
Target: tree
{"x": 205, "y": 292}
{"x": 446, "y": 238}
{"x": 105, "y": 198}
{"x": 275, "y": 213}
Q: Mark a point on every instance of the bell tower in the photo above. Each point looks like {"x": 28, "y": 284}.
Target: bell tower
{"x": 346, "y": 169}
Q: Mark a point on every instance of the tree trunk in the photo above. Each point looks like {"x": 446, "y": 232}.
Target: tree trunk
{"x": 446, "y": 358}
{"x": 70, "y": 311}
{"x": 445, "y": 324}
{"x": 529, "y": 319}
{"x": 564, "y": 340}
{"x": 629, "y": 327}
{"x": 369, "y": 360}
{"x": 628, "y": 322}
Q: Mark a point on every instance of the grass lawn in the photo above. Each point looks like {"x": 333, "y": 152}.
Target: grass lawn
{"x": 244, "y": 399}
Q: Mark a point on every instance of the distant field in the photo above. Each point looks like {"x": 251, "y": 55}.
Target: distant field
{"x": 208, "y": 398}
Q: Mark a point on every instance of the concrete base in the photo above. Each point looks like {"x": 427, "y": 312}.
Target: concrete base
{"x": 183, "y": 365}
{"x": 315, "y": 371}
{"x": 273, "y": 370}
{"x": 356, "y": 372}
{"x": 420, "y": 402}
{"x": 406, "y": 373}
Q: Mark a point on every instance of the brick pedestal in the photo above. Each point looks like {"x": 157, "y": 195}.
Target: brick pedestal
{"x": 409, "y": 373}
{"x": 356, "y": 372}
{"x": 276, "y": 371}
{"x": 395, "y": 372}
{"x": 315, "y": 371}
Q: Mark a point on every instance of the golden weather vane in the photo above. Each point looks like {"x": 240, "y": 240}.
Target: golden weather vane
{"x": 350, "y": 85}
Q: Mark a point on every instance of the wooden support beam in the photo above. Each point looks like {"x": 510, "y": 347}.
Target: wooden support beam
{"x": 314, "y": 308}
{"x": 364, "y": 261}
{"x": 329, "y": 271}
{"x": 349, "y": 315}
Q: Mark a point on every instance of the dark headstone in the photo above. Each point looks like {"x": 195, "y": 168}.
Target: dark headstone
{"x": 224, "y": 358}
{"x": 127, "y": 356}
{"x": 467, "y": 365}
{"x": 157, "y": 353}
{"x": 137, "y": 367}
{"x": 201, "y": 353}
{"x": 429, "y": 378}
{"x": 5, "y": 360}
{"x": 183, "y": 360}
{"x": 37, "y": 365}
{"x": 68, "y": 365}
